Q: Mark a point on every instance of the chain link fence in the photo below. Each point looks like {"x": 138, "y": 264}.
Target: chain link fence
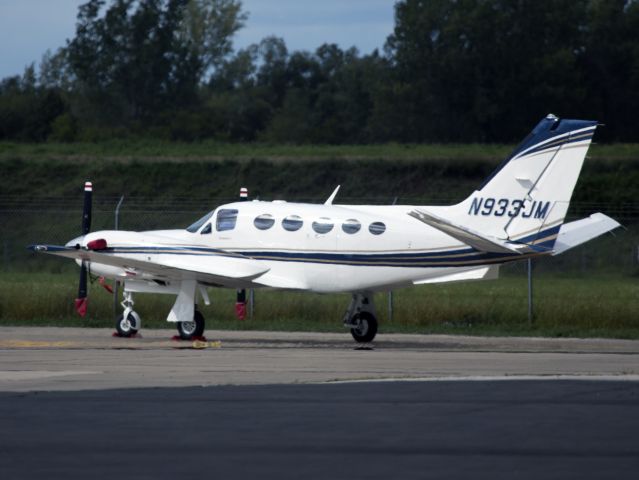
{"x": 57, "y": 220}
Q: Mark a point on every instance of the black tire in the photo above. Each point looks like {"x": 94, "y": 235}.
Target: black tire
{"x": 189, "y": 330}
{"x": 367, "y": 327}
{"x": 128, "y": 328}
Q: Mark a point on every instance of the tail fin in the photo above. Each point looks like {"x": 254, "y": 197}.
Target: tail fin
{"x": 526, "y": 198}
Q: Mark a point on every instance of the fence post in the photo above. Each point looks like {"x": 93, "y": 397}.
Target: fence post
{"x": 117, "y": 213}
{"x": 241, "y": 294}
{"x": 116, "y": 284}
{"x": 390, "y": 292}
{"x": 531, "y": 318}
{"x": 5, "y": 254}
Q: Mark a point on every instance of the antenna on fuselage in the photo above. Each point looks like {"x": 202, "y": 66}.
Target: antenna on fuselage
{"x": 329, "y": 200}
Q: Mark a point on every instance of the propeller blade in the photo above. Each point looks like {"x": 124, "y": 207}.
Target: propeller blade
{"x": 81, "y": 301}
{"x": 86, "y": 212}
{"x": 240, "y": 305}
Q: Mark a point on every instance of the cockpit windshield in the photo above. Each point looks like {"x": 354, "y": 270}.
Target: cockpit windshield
{"x": 196, "y": 226}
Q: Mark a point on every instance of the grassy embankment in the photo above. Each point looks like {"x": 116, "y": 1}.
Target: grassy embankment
{"x": 171, "y": 172}
{"x": 601, "y": 306}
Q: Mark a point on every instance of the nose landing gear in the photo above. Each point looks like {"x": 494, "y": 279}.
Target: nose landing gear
{"x": 128, "y": 323}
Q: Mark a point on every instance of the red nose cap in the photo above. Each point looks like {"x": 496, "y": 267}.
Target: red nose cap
{"x": 99, "y": 244}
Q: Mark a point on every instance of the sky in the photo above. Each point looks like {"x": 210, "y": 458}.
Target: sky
{"x": 29, "y": 27}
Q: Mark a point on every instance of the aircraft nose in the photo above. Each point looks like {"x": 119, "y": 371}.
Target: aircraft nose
{"x": 77, "y": 242}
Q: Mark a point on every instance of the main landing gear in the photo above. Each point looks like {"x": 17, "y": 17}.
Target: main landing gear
{"x": 194, "y": 329}
{"x": 360, "y": 318}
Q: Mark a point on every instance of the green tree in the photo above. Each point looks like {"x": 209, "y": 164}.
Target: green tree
{"x": 611, "y": 64}
{"x": 135, "y": 59}
{"x": 27, "y": 110}
{"x": 483, "y": 70}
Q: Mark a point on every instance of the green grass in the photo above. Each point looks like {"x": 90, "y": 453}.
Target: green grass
{"x": 141, "y": 149}
{"x": 602, "y": 306}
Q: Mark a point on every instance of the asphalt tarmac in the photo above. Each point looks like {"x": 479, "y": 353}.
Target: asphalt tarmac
{"x": 81, "y": 404}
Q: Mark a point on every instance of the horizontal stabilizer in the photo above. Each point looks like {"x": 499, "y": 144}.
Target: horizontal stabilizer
{"x": 482, "y": 273}
{"x": 484, "y": 243}
{"x": 575, "y": 233}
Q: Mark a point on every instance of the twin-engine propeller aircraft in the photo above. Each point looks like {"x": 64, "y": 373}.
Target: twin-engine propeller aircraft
{"x": 516, "y": 214}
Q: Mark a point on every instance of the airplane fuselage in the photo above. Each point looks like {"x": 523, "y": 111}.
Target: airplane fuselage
{"x": 351, "y": 248}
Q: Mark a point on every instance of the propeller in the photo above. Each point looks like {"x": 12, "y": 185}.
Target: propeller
{"x": 81, "y": 301}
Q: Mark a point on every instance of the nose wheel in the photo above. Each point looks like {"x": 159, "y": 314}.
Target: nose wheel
{"x": 128, "y": 323}
{"x": 127, "y": 326}
{"x": 191, "y": 330}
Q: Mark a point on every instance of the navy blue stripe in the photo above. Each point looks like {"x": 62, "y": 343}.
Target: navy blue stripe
{"x": 451, "y": 258}
{"x": 398, "y": 260}
{"x": 546, "y": 129}
{"x": 563, "y": 141}
{"x": 459, "y": 257}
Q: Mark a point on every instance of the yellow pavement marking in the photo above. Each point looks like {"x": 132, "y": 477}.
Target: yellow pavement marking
{"x": 201, "y": 344}
{"x": 107, "y": 344}
{"x": 33, "y": 344}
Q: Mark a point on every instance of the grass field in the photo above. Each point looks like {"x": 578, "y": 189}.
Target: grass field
{"x": 602, "y": 306}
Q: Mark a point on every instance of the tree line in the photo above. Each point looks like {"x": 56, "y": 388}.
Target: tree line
{"x": 450, "y": 71}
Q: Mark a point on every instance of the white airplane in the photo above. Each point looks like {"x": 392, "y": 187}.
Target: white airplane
{"x": 517, "y": 213}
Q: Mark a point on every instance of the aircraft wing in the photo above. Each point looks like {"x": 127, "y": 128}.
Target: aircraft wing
{"x": 217, "y": 269}
{"x": 484, "y": 243}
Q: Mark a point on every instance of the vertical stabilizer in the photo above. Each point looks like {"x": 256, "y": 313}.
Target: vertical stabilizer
{"x": 526, "y": 198}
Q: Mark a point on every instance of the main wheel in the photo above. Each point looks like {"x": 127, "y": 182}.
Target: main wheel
{"x": 365, "y": 327}
{"x": 127, "y": 326}
{"x": 188, "y": 330}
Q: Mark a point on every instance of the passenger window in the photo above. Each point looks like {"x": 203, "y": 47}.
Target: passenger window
{"x": 323, "y": 225}
{"x": 206, "y": 229}
{"x": 264, "y": 222}
{"x": 351, "y": 226}
{"x": 377, "y": 228}
{"x": 226, "y": 220}
{"x": 292, "y": 223}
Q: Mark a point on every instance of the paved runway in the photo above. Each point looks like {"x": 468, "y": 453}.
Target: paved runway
{"x": 486, "y": 430}
{"x": 78, "y": 403}
{"x": 80, "y": 359}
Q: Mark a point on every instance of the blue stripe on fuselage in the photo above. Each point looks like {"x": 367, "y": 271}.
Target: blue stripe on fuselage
{"x": 450, "y": 258}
